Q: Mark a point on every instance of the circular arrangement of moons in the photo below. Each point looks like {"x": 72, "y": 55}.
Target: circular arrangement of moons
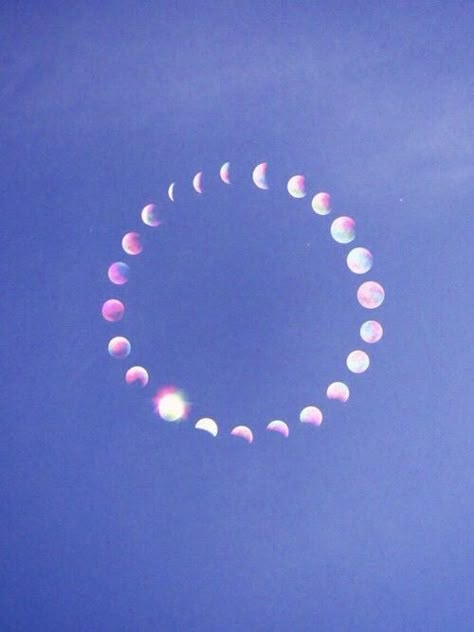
{"x": 171, "y": 403}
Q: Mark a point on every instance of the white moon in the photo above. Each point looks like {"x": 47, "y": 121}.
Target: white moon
{"x": 171, "y": 191}
{"x": 259, "y": 176}
{"x": 279, "y": 426}
{"x": 225, "y": 172}
{"x": 197, "y": 182}
{"x": 207, "y": 424}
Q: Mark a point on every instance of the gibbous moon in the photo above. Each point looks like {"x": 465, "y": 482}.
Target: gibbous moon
{"x": 197, "y": 182}
{"x": 112, "y": 310}
{"x": 321, "y": 203}
{"x": 358, "y": 361}
{"x": 150, "y": 215}
{"x": 119, "y": 347}
{"x": 371, "y": 331}
{"x": 343, "y": 230}
{"x": 243, "y": 432}
{"x": 137, "y": 375}
{"x": 259, "y": 176}
{"x": 359, "y": 260}
{"x": 311, "y": 415}
{"x": 296, "y": 186}
{"x": 131, "y": 244}
{"x": 279, "y": 426}
{"x": 370, "y": 294}
{"x": 118, "y": 273}
{"x": 171, "y": 404}
{"x": 207, "y": 424}
{"x": 224, "y": 172}
{"x": 171, "y": 191}
{"x": 338, "y": 390}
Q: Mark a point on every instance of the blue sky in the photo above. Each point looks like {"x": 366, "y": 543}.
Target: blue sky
{"x": 113, "y": 519}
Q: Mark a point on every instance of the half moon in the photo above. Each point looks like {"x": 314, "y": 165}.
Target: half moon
{"x": 259, "y": 176}
{"x": 197, "y": 182}
{"x": 171, "y": 191}
{"x": 207, "y": 424}
{"x": 243, "y": 432}
{"x": 279, "y": 426}
{"x": 225, "y": 172}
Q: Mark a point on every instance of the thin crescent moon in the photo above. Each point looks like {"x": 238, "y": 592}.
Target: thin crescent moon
{"x": 197, "y": 182}
{"x": 225, "y": 172}
{"x": 171, "y": 191}
{"x": 259, "y": 176}
{"x": 243, "y": 432}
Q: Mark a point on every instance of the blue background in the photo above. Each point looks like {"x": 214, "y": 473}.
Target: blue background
{"x": 114, "y": 520}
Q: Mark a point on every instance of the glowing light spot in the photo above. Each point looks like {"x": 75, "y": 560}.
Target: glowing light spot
{"x": 311, "y": 415}
{"x": 339, "y": 391}
{"x": 371, "y": 331}
{"x": 150, "y": 215}
{"x": 359, "y": 260}
{"x": 131, "y": 244}
{"x": 279, "y": 426}
{"x": 296, "y": 186}
{"x": 137, "y": 375}
{"x": 343, "y": 230}
{"x": 119, "y": 347}
{"x": 118, "y": 273}
{"x": 321, "y": 203}
{"x": 243, "y": 432}
{"x": 357, "y": 361}
{"x": 171, "y": 404}
{"x": 370, "y": 294}
{"x": 112, "y": 310}
{"x": 208, "y": 425}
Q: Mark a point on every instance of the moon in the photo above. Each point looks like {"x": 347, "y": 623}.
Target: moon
{"x": 296, "y": 186}
{"x": 311, "y": 415}
{"x": 131, "y": 244}
{"x": 243, "y": 432}
{"x": 259, "y": 176}
{"x": 338, "y": 390}
{"x": 225, "y": 172}
{"x": 207, "y": 424}
{"x": 137, "y": 375}
{"x": 279, "y": 426}
{"x": 197, "y": 182}
{"x": 171, "y": 191}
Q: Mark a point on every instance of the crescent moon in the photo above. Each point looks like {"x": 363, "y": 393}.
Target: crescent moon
{"x": 279, "y": 426}
{"x": 259, "y": 176}
{"x": 207, "y": 424}
{"x": 225, "y": 172}
{"x": 243, "y": 432}
{"x": 171, "y": 191}
{"x": 197, "y": 182}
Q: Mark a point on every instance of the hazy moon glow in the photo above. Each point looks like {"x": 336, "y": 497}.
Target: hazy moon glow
{"x": 171, "y": 404}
